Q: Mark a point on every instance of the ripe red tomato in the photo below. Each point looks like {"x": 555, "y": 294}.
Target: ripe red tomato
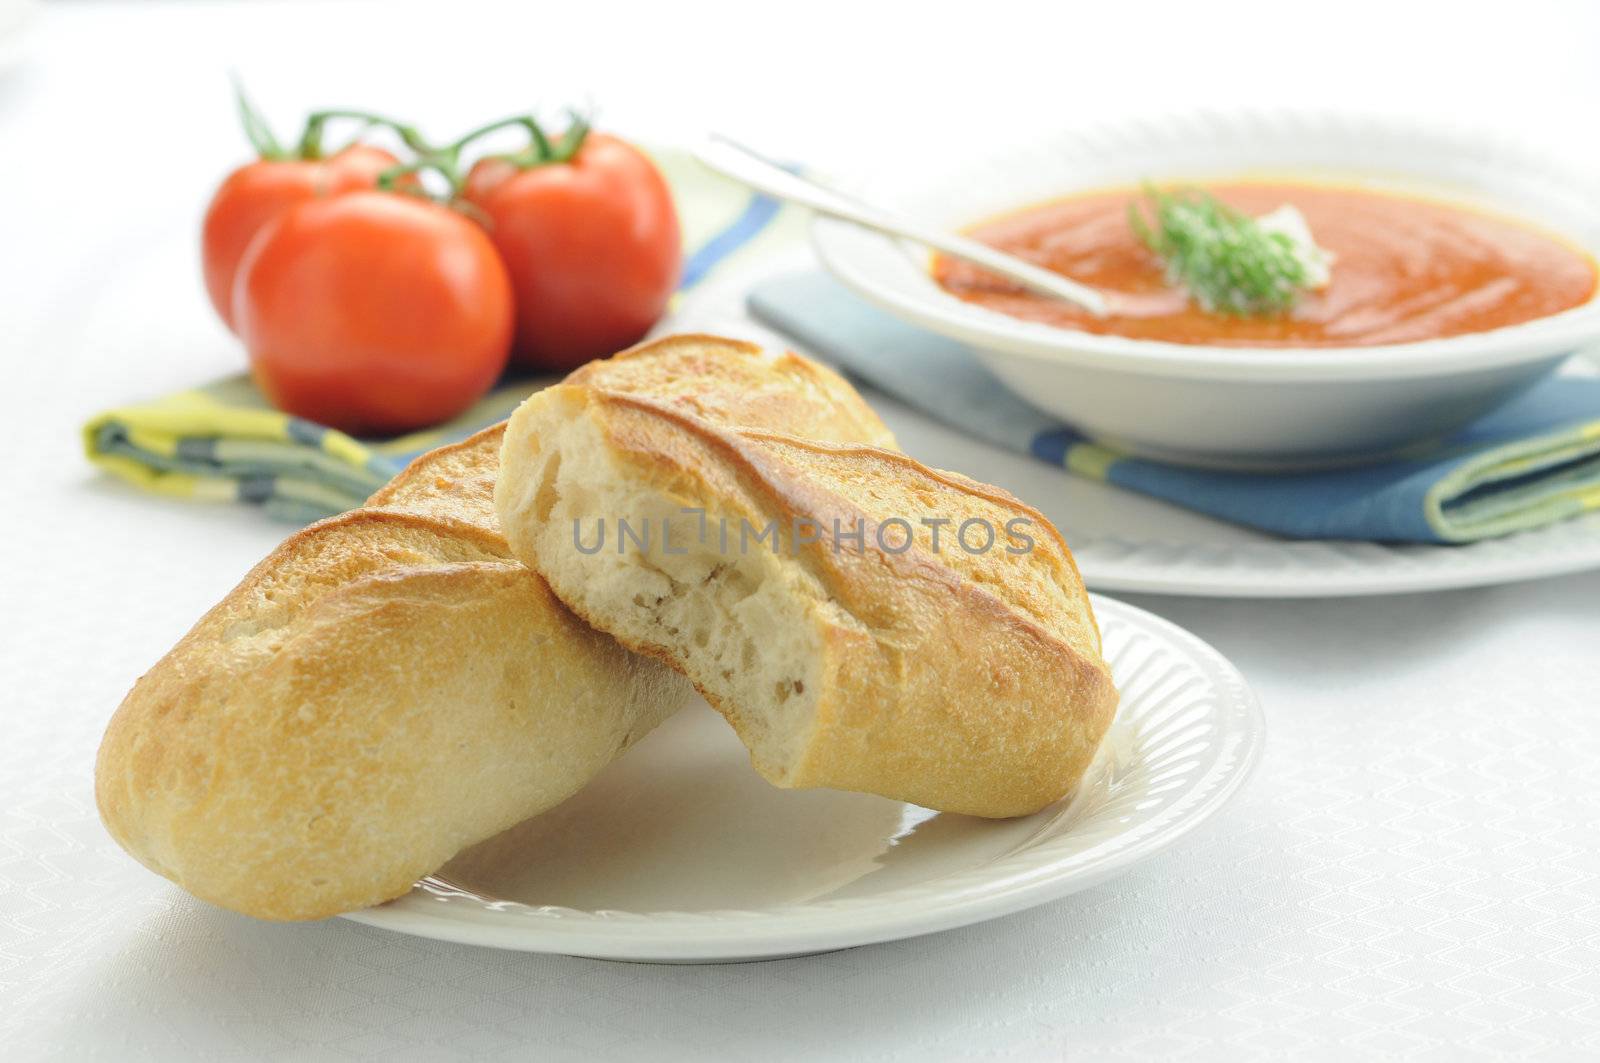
{"x": 374, "y": 312}
{"x": 258, "y": 192}
{"x": 592, "y": 246}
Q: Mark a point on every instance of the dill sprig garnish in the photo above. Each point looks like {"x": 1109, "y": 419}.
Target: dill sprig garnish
{"x": 1229, "y": 263}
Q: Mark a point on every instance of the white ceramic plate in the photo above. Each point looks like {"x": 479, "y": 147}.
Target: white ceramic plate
{"x": 1329, "y": 569}
{"x": 1226, "y": 407}
{"x": 1128, "y": 542}
{"x": 679, "y": 852}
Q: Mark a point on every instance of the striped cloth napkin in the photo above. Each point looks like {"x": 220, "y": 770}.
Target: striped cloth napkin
{"x": 1530, "y": 463}
{"x": 223, "y": 442}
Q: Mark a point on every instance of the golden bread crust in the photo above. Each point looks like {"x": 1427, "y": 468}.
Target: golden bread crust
{"x": 734, "y": 382}
{"x": 381, "y": 691}
{"x": 959, "y": 681}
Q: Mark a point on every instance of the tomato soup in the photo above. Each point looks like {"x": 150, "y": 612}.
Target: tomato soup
{"x": 1403, "y": 270}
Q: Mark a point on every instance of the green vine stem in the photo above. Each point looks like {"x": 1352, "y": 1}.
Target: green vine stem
{"x": 542, "y": 150}
{"x": 389, "y": 180}
{"x": 317, "y": 121}
{"x": 445, "y": 159}
{"x": 526, "y": 121}
{"x": 256, "y": 128}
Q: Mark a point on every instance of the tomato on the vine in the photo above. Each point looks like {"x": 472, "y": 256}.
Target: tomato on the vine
{"x": 366, "y": 305}
{"x": 373, "y": 312}
{"x": 258, "y": 192}
{"x": 589, "y": 235}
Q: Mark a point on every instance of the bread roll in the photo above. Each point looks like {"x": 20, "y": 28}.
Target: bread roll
{"x": 962, "y": 680}
{"x": 731, "y": 382}
{"x": 390, "y": 686}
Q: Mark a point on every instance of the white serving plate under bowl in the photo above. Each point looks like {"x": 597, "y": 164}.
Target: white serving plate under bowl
{"x": 679, "y": 852}
{"x": 1226, "y": 407}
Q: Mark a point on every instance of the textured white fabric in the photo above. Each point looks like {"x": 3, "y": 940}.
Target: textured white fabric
{"x": 1414, "y": 870}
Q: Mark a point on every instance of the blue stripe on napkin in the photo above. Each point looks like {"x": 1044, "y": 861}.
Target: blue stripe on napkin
{"x": 1534, "y": 461}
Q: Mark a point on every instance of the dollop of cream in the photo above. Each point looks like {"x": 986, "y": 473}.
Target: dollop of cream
{"x": 1317, "y": 261}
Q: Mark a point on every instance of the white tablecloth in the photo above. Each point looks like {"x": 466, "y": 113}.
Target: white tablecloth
{"x": 1414, "y": 870}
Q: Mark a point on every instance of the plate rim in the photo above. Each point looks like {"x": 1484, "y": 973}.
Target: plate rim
{"x": 910, "y": 911}
{"x": 1368, "y": 569}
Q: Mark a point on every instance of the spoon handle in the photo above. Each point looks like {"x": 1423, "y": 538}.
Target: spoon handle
{"x": 745, "y": 166}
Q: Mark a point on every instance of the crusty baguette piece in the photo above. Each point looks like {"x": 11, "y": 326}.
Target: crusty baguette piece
{"x": 390, "y": 686}
{"x": 966, "y": 682}
{"x": 385, "y": 689}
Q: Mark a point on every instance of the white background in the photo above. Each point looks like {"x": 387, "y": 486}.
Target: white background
{"x": 1413, "y": 871}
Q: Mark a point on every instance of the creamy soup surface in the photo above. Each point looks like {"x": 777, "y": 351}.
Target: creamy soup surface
{"x": 1404, "y": 270}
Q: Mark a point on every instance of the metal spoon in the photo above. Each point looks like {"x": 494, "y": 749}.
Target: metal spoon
{"x": 745, "y": 166}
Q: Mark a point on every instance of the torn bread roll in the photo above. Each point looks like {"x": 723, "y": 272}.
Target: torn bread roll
{"x": 801, "y": 586}
{"x": 391, "y": 686}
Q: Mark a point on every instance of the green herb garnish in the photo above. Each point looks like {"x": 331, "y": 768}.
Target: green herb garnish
{"x": 1227, "y": 261}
